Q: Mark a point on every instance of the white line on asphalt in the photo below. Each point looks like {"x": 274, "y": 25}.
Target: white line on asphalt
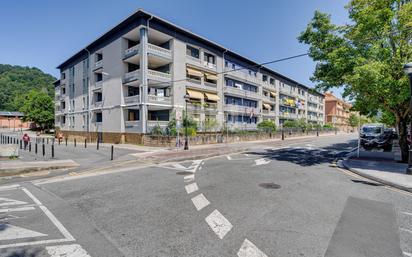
{"x": 179, "y": 166}
{"x": 228, "y": 157}
{"x": 8, "y": 201}
{"x": 50, "y": 215}
{"x": 189, "y": 178}
{"x": 406, "y": 230}
{"x": 406, "y": 213}
{"x": 74, "y": 250}
{"x": 218, "y": 223}
{"x": 261, "y": 161}
{"x": 9, "y": 187}
{"x": 247, "y": 155}
{"x": 10, "y": 232}
{"x": 25, "y": 208}
{"x": 200, "y": 202}
{"x": 248, "y": 249}
{"x": 191, "y": 188}
{"x": 407, "y": 254}
{"x": 200, "y": 168}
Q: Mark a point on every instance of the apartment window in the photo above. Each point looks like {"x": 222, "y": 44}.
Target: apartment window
{"x": 99, "y": 57}
{"x": 194, "y": 74}
{"x": 272, "y": 81}
{"x": 63, "y": 90}
{"x": 265, "y": 78}
{"x": 133, "y": 115}
{"x": 63, "y": 120}
{"x": 98, "y": 77}
{"x": 63, "y": 76}
{"x": 98, "y": 97}
{"x": 84, "y": 120}
{"x": 72, "y": 105}
{"x": 73, "y": 120}
{"x": 192, "y": 51}
{"x": 209, "y": 58}
{"x": 132, "y": 91}
{"x": 162, "y": 115}
{"x": 99, "y": 117}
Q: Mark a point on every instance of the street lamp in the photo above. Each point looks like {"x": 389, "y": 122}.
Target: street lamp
{"x": 187, "y": 98}
{"x": 407, "y": 68}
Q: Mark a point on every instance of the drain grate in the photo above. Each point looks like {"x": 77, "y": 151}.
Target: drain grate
{"x": 184, "y": 173}
{"x": 269, "y": 185}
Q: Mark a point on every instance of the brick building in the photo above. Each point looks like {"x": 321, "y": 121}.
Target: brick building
{"x": 337, "y": 112}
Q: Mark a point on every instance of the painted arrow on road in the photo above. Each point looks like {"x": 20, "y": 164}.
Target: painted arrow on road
{"x": 261, "y": 161}
{"x": 10, "y": 232}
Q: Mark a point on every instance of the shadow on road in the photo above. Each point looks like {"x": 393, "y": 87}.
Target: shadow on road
{"x": 309, "y": 156}
{"x": 23, "y": 253}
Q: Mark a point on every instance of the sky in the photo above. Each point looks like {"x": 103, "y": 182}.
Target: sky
{"x": 44, "y": 33}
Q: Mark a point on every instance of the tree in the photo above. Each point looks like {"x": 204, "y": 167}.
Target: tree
{"x": 353, "y": 120}
{"x": 267, "y": 126}
{"x": 38, "y": 107}
{"x": 290, "y": 124}
{"x": 366, "y": 57}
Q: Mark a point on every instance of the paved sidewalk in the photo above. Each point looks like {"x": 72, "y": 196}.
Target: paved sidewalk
{"x": 385, "y": 172}
{"x": 8, "y": 168}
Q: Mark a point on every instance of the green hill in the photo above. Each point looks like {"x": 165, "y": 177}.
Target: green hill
{"x": 18, "y": 80}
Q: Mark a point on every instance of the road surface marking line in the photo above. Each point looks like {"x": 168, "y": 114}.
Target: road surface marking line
{"x": 9, "y": 187}
{"x": 8, "y": 201}
{"x": 248, "y": 249}
{"x": 191, "y": 188}
{"x": 10, "y": 232}
{"x": 261, "y": 161}
{"x": 228, "y": 157}
{"x": 74, "y": 250}
{"x": 50, "y": 215}
{"x": 179, "y": 166}
{"x": 406, "y": 230}
{"x": 200, "y": 168}
{"x": 218, "y": 223}
{"x": 25, "y": 208}
{"x": 407, "y": 254}
{"x": 52, "y": 241}
{"x": 200, "y": 202}
{"x": 189, "y": 178}
{"x": 406, "y": 213}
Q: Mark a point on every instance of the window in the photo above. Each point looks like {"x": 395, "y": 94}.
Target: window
{"x": 192, "y": 51}
{"x": 133, "y": 115}
{"x": 209, "y": 58}
{"x": 99, "y": 117}
{"x": 63, "y": 120}
{"x": 63, "y": 76}
{"x": 63, "y": 90}
{"x": 272, "y": 81}
{"x": 98, "y": 77}
{"x": 99, "y": 57}
{"x": 132, "y": 91}
{"x": 98, "y": 97}
{"x": 72, "y": 105}
{"x": 84, "y": 120}
{"x": 265, "y": 78}
{"x": 63, "y": 105}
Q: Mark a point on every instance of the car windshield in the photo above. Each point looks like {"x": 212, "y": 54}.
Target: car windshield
{"x": 374, "y": 130}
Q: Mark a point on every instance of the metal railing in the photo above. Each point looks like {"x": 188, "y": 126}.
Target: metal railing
{"x": 135, "y": 99}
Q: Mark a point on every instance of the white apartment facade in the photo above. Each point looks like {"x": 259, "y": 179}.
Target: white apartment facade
{"x": 136, "y": 76}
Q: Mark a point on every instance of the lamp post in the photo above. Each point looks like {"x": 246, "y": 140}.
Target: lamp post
{"x": 187, "y": 98}
{"x": 408, "y": 71}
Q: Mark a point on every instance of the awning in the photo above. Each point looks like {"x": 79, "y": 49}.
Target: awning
{"x": 273, "y": 94}
{"x": 212, "y": 97}
{"x": 267, "y": 106}
{"x": 211, "y": 76}
{"x": 194, "y": 72}
{"x": 194, "y": 94}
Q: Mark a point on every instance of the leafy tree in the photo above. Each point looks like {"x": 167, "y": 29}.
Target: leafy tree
{"x": 16, "y": 81}
{"x": 290, "y": 124}
{"x": 366, "y": 57}
{"x": 187, "y": 120}
{"x": 38, "y": 107}
{"x": 353, "y": 120}
{"x": 328, "y": 126}
{"x": 210, "y": 124}
{"x": 267, "y": 126}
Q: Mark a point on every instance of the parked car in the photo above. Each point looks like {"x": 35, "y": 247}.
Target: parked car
{"x": 376, "y": 136}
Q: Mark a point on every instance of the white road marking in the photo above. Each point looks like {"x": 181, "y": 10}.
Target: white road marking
{"x": 247, "y": 155}
{"x": 200, "y": 202}
{"x": 189, "y": 178}
{"x": 10, "y": 232}
{"x": 179, "y": 166}
{"x": 24, "y": 208}
{"x": 407, "y": 254}
{"x": 406, "y": 230}
{"x": 7, "y": 201}
{"x": 228, "y": 157}
{"x": 9, "y": 187}
{"x": 74, "y": 250}
{"x": 200, "y": 168}
{"x": 406, "y": 213}
{"x": 218, "y": 223}
{"x": 248, "y": 249}
{"x": 191, "y": 188}
{"x": 261, "y": 161}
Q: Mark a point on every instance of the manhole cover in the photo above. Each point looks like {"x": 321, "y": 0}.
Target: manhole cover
{"x": 184, "y": 173}
{"x": 269, "y": 185}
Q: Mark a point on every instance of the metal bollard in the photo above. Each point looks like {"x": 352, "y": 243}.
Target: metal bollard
{"x": 75, "y": 142}
{"x": 52, "y": 150}
{"x": 42, "y": 140}
{"x": 85, "y": 143}
{"x": 43, "y": 149}
{"x": 317, "y": 133}
{"x": 21, "y": 144}
{"x": 111, "y": 154}
{"x": 35, "y": 147}
{"x": 283, "y": 135}
{"x": 47, "y": 140}
{"x": 97, "y": 145}
{"x": 66, "y": 141}
{"x": 30, "y": 147}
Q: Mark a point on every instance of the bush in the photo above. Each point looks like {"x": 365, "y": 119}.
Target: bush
{"x": 156, "y": 130}
{"x": 328, "y": 126}
{"x": 290, "y": 124}
{"x": 267, "y": 126}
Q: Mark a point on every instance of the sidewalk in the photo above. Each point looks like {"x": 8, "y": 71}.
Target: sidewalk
{"x": 386, "y": 172}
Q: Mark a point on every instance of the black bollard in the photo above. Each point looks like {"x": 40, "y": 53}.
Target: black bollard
{"x": 85, "y": 143}
{"x": 66, "y": 141}
{"x": 43, "y": 149}
{"x": 35, "y": 147}
{"x": 111, "y": 154}
{"x": 283, "y": 135}
{"x": 21, "y": 144}
{"x": 75, "y": 142}
{"x": 30, "y": 147}
{"x": 97, "y": 145}
{"x": 52, "y": 151}
{"x": 47, "y": 140}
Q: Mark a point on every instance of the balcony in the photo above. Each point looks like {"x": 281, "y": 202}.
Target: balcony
{"x": 133, "y": 126}
{"x": 131, "y": 76}
{"x": 288, "y": 115}
{"x": 240, "y": 109}
{"x": 98, "y": 65}
{"x": 97, "y": 105}
{"x": 97, "y": 85}
{"x": 131, "y": 51}
{"x": 159, "y": 51}
{"x": 210, "y": 107}
{"x": 153, "y": 99}
{"x": 268, "y": 112}
{"x": 158, "y": 76}
{"x": 241, "y": 93}
{"x": 244, "y": 75}
{"x": 135, "y": 99}
{"x": 194, "y": 107}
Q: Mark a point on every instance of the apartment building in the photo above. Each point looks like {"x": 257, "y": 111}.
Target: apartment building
{"x": 136, "y": 76}
{"x": 337, "y": 112}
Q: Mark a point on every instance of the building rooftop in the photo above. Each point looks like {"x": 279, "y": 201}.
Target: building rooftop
{"x": 11, "y": 114}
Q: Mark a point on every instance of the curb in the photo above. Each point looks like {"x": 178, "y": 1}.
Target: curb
{"x": 382, "y": 181}
{"x": 29, "y": 167}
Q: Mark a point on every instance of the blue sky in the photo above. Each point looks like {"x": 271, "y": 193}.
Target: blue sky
{"x": 44, "y": 33}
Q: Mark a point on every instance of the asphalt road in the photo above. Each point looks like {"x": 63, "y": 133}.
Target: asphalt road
{"x": 279, "y": 199}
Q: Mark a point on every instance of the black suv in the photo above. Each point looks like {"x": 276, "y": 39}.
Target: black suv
{"x": 375, "y": 136}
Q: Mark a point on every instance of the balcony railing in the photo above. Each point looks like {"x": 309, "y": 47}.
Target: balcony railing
{"x": 131, "y": 51}
{"x": 97, "y": 105}
{"x": 288, "y": 115}
{"x": 98, "y": 65}
{"x": 97, "y": 85}
{"x": 240, "y": 109}
{"x": 209, "y": 65}
{"x": 131, "y": 76}
{"x": 194, "y": 107}
{"x": 153, "y": 123}
{"x": 160, "y": 51}
{"x": 210, "y": 107}
{"x": 159, "y": 99}
{"x": 158, "y": 76}
{"x": 135, "y": 99}
{"x": 241, "y": 93}
{"x": 268, "y": 112}
{"x": 244, "y": 76}
{"x": 133, "y": 126}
